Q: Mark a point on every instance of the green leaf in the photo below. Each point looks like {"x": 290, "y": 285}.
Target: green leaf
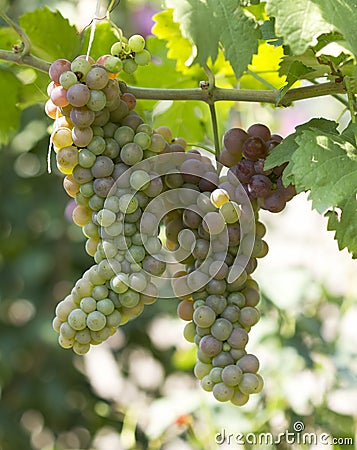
{"x": 226, "y": 21}
{"x": 51, "y": 35}
{"x": 299, "y": 22}
{"x": 179, "y": 47}
{"x": 342, "y": 14}
{"x": 194, "y": 17}
{"x": 9, "y": 112}
{"x": 8, "y": 37}
{"x": 284, "y": 152}
{"x": 104, "y": 38}
{"x": 35, "y": 91}
{"x": 323, "y": 164}
{"x": 345, "y": 225}
{"x": 294, "y": 72}
{"x": 233, "y": 23}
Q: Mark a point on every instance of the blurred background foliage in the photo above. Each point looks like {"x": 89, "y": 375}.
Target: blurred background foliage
{"x": 138, "y": 391}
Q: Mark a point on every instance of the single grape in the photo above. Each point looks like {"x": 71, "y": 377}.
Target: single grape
{"x": 204, "y": 316}
{"x": 57, "y": 68}
{"x": 136, "y": 43}
{"x": 259, "y": 130}
{"x": 260, "y": 186}
{"x": 250, "y": 384}
{"x": 233, "y": 141}
{"x": 248, "y": 363}
{"x": 222, "y": 393}
{"x": 77, "y": 319}
{"x": 78, "y": 95}
{"x": 97, "y": 78}
{"x": 96, "y": 321}
{"x": 142, "y": 58}
{"x": 254, "y": 148}
{"x": 221, "y": 329}
{"x": 232, "y": 375}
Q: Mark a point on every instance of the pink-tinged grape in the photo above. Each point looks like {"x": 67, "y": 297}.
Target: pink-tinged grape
{"x": 136, "y": 43}
{"x": 238, "y": 338}
{"x": 50, "y": 87}
{"x": 275, "y": 202}
{"x": 259, "y": 130}
{"x": 260, "y": 186}
{"x": 210, "y": 346}
{"x": 227, "y": 159}
{"x": 97, "y": 78}
{"x": 113, "y": 64}
{"x": 103, "y": 167}
{"x": 232, "y": 375}
{"x": 111, "y": 90}
{"x": 82, "y": 136}
{"x": 165, "y": 132}
{"x": 248, "y": 363}
{"x": 82, "y": 117}
{"x": 222, "y": 393}
{"x": 129, "y": 99}
{"x": 254, "y": 148}
{"x": 59, "y": 96}
{"x": 78, "y": 95}
{"x": 142, "y": 58}
{"x": 68, "y": 79}
{"x": 97, "y": 100}
{"x": 96, "y": 321}
{"x": 185, "y": 310}
{"x": 80, "y": 66}
{"x": 57, "y": 68}
{"x": 129, "y": 66}
{"x": 288, "y": 192}
{"x": 51, "y": 109}
{"x": 233, "y": 141}
{"x": 82, "y": 175}
{"x": 102, "y": 186}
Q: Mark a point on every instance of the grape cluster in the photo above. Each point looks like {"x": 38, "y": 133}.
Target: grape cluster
{"x": 244, "y": 152}
{"x": 127, "y": 180}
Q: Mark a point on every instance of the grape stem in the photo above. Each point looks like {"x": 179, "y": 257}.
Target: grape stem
{"x": 210, "y": 87}
{"x": 26, "y": 43}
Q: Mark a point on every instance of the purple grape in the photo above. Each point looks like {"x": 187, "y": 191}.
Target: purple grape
{"x": 259, "y": 130}
{"x": 244, "y": 170}
{"x": 233, "y": 141}
{"x": 259, "y": 186}
{"x": 275, "y": 202}
{"x": 255, "y": 148}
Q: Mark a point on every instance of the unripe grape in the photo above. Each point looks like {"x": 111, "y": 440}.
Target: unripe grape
{"x": 136, "y": 43}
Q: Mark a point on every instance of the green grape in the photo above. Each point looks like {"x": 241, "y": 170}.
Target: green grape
{"x": 189, "y": 332}
{"x": 250, "y": 384}
{"x": 77, "y": 319}
{"x": 67, "y": 331}
{"x": 88, "y": 304}
{"x": 113, "y": 64}
{"x": 136, "y": 43}
{"x": 86, "y": 190}
{"x": 139, "y": 180}
{"x": 100, "y": 292}
{"x": 217, "y": 302}
{"x": 216, "y": 374}
{"x": 222, "y": 393}
{"x": 81, "y": 67}
{"x": 86, "y": 158}
{"x": 131, "y": 154}
{"x": 239, "y": 399}
{"x": 101, "y": 335}
{"x": 201, "y": 369}
{"x": 97, "y": 100}
{"x": 128, "y": 204}
{"x": 230, "y": 212}
{"x": 207, "y": 383}
{"x": 105, "y": 306}
{"x": 96, "y": 321}
{"x": 236, "y": 298}
{"x": 64, "y": 308}
{"x": 123, "y": 135}
{"x": 105, "y": 217}
{"x": 221, "y": 329}
{"x": 129, "y": 299}
{"x": 120, "y": 283}
{"x": 67, "y": 79}
{"x": 97, "y": 78}
{"x": 142, "y": 58}
{"x": 232, "y": 375}
{"x": 83, "y": 336}
{"x": 249, "y": 316}
{"x": 129, "y": 66}
{"x": 222, "y": 359}
{"x": 81, "y": 349}
{"x": 142, "y": 139}
{"x": 96, "y": 203}
{"x": 204, "y": 316}
{"x": 65, "y": 342}
{"x": 114, "y": 319}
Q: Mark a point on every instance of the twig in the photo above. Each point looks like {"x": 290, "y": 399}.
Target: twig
{"x": 210, "y": 88}
{"x": 23, "y": 36}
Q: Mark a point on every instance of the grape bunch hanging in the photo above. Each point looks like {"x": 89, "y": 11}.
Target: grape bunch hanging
{"x": 130, "y": 182}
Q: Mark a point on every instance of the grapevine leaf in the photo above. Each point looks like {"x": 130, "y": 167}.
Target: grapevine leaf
{"x": 104, "y": 38}
{"x": 284, "y": 152}
{"x": 295, "y": 71}
{"x": 342, "y": 14}
{"x": 34, "y": 91}
{"x": 179, "y": 47}
{"x": 9, "y": 112}
{"x": 194, "y": 16}
{"x": 299, "y": 23}
{"x": 267, "y": 29}
{"x": 8, "y": 37}
{"x": 51, "y": 35}
{"x": 345, "y": 225}
{"x": 324, "y": 164}
{"x": 233, "y": 23}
